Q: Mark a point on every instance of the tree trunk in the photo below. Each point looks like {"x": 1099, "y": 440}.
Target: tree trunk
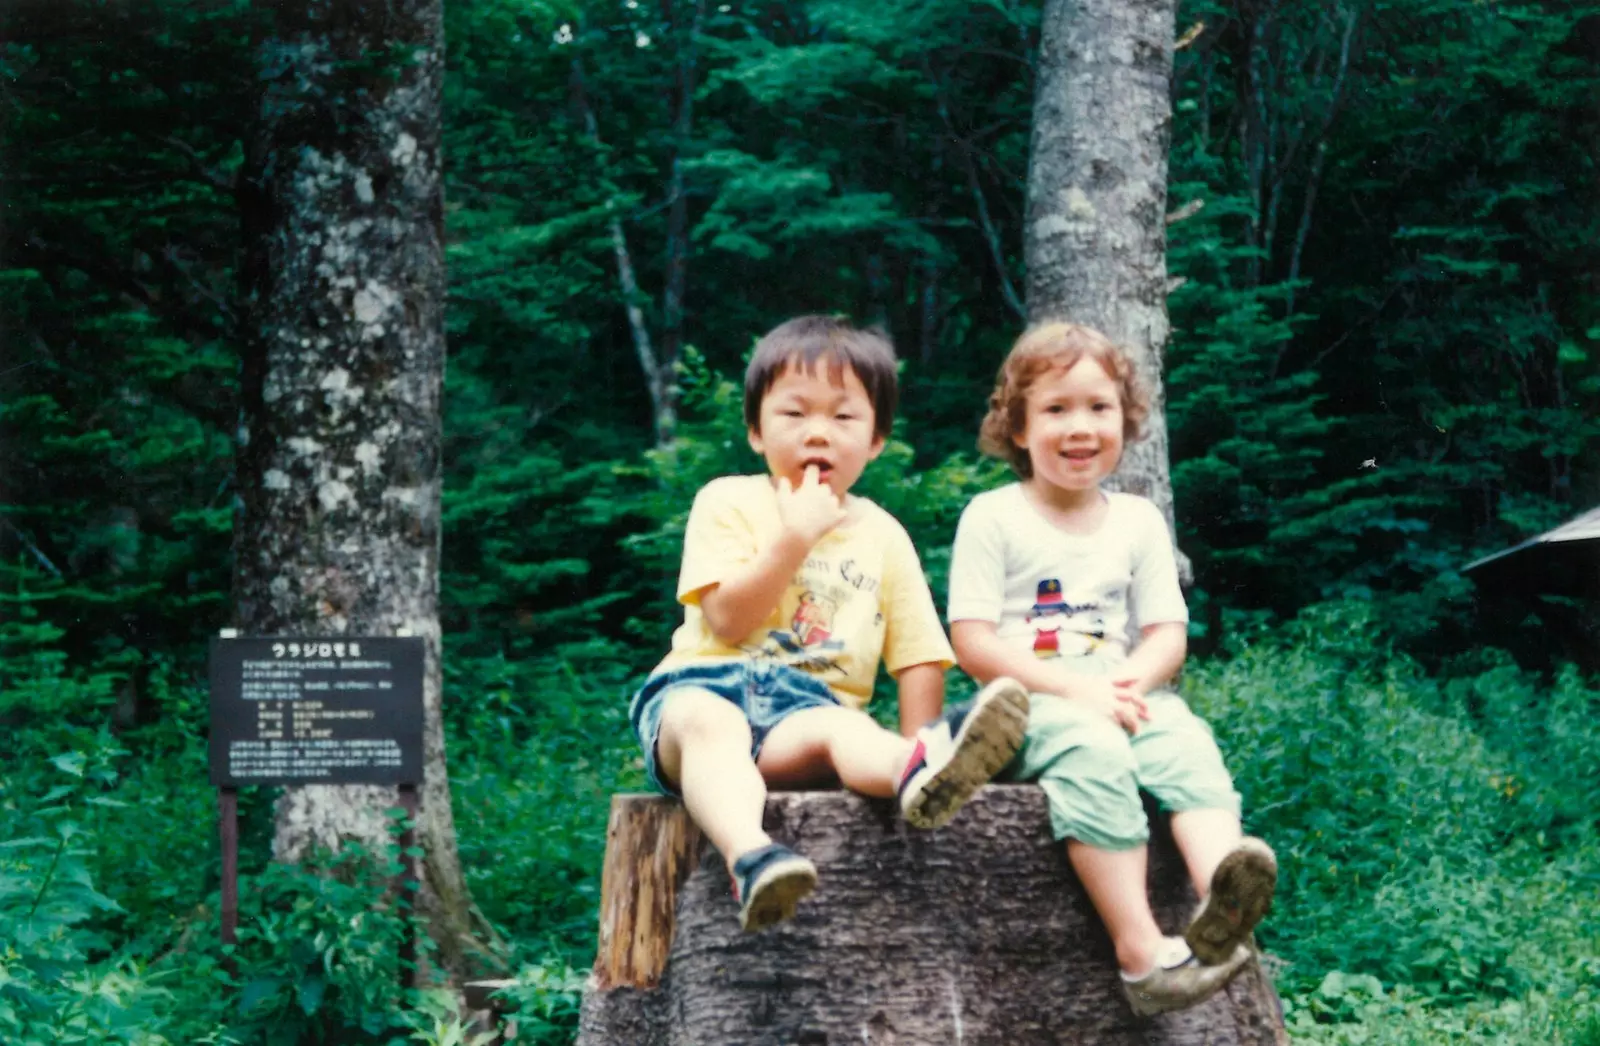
{"x": 976, "y": 934}
{"x": 337, "y": 528}
{"x": 1096, "y": 242}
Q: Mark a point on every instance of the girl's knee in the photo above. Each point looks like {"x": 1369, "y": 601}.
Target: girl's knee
{"x": 1111, "y": 818}
{"x": 1093, "y": 750}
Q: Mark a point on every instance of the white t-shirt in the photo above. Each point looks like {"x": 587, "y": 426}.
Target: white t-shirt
{"x": 1061, "y": 594}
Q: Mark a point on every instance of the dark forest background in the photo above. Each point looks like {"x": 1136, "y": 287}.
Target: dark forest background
{"x": 1385, "y": 363}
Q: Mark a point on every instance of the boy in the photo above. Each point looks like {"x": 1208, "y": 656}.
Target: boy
{"x": 1046, "y": 577}
{"x": 793, "y": 590}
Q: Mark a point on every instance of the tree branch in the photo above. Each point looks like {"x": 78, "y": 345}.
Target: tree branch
{"x": 1314, "y": 178}
{"x": 655, "y": 380}
{"x": 28, "y": 544}
{"x": 1188, "y": 210}
{"x": 197, "y": 163}
{"x": 990, "y": 236}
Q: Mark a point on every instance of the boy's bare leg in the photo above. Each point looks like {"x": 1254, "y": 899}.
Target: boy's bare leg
{"x": 1205, "y": 837}
{"x": 1115, "y": 882}
{"x": 704, "y": 749}
{"x": 815, "y": 745}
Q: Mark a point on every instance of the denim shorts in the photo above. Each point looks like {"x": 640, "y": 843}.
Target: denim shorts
{"x": 766, "y": 692}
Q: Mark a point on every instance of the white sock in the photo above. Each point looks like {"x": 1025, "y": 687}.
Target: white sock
{"x": 1174, "y": 952}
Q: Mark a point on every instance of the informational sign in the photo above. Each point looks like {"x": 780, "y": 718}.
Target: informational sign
{"x": 311, "y": 710}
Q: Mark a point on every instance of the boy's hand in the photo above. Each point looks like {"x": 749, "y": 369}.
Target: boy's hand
{"x": 811, "y": 509}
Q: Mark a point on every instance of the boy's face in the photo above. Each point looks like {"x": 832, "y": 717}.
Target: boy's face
{"x": 808, "y": 420}
{"x": 1073, "y": 428}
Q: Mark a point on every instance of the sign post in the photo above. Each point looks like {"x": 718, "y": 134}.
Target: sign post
{"x": 309, "y": 710}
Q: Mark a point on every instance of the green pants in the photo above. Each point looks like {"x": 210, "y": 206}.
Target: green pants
{"x": 1092, "y": 770}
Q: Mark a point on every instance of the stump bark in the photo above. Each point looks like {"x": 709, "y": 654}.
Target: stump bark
{"x": 976, "y": 934}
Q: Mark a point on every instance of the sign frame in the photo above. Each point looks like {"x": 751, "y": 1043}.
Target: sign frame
{"x": 299, "y": 710}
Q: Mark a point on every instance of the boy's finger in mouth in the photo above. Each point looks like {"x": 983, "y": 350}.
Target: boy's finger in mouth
{"x": 823, "y": 467}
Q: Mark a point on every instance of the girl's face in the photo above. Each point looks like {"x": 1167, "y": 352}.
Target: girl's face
{"x": 1072, "y": 428}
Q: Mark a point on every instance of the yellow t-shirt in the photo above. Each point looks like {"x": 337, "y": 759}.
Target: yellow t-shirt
{"x": 859, "y": 597}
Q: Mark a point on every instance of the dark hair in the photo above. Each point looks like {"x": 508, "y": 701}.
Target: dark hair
{"x": 806, "y": 340}
{"x": 1044, "y": 348}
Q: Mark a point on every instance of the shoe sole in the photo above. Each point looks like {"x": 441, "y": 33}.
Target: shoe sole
{"x": 1240, "y": 897}
{"x": 987, "y": 741}
{"x": 1145, "y": 1004}
{"x": 776, "y": 893}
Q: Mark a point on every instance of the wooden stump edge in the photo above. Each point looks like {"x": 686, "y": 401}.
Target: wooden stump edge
{"x": 651, "y": 847}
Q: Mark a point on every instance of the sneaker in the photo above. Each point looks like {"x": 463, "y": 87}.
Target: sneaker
{"x": 769, "y": 882}
{"x": 1181, "y": 984}
{"x": 958, "y": 753}
{"x": 1241, "y": 894}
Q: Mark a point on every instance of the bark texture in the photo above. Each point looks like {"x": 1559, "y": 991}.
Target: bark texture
{"x": 977, "y": 934}
{"x": 337, "y": 528}
{"x": 1096, "y": 240}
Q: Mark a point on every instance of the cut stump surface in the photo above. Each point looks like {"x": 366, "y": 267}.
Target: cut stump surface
{"x": 977, "y": 934}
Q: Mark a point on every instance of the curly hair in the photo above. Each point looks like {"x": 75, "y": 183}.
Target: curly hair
{"x": 1043, "y": 348}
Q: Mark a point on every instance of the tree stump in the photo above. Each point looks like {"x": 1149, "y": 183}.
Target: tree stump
{"x": 976, "y": 934}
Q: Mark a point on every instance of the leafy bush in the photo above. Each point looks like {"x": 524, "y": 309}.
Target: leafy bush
{"x": 318, "y": 951}
{"x": 1356, "y": 1010}
{"x": 1413, "y": 850}
{"x": 546, "y": 1000}
{"x": 61, "y": 981}
{"x": 543, "y": 747}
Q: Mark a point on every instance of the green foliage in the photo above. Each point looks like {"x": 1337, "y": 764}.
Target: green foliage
{"x": 546, "y": 1000}
{"x": 1356, "y": 1010}
{"x": 1389, "y": 268}
{"x": 1540, "y": 724}
{"x": 318, "y": 950}
{"x": 115, "y": 394}
{"x": 1388, "y": 813}
{"x": 57, "y": 982}
{"x": 1385, "y": 360}
{"x": 1397, "y": 371}
{"x": 532, "y": 841}
{"x": 1246, "y": 434}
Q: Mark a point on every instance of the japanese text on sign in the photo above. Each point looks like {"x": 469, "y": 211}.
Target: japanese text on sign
{"x": 303, "y": 711}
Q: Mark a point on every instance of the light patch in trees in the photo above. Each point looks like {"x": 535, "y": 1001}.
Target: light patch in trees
{"x": 341, "y": 391}
{"x": 405, "y": 149}
{"x": 331, "y": 494}
{"x": 371, "y": 304}
{"x": 368, "y": 456}
{"x": 408, "y": 496}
